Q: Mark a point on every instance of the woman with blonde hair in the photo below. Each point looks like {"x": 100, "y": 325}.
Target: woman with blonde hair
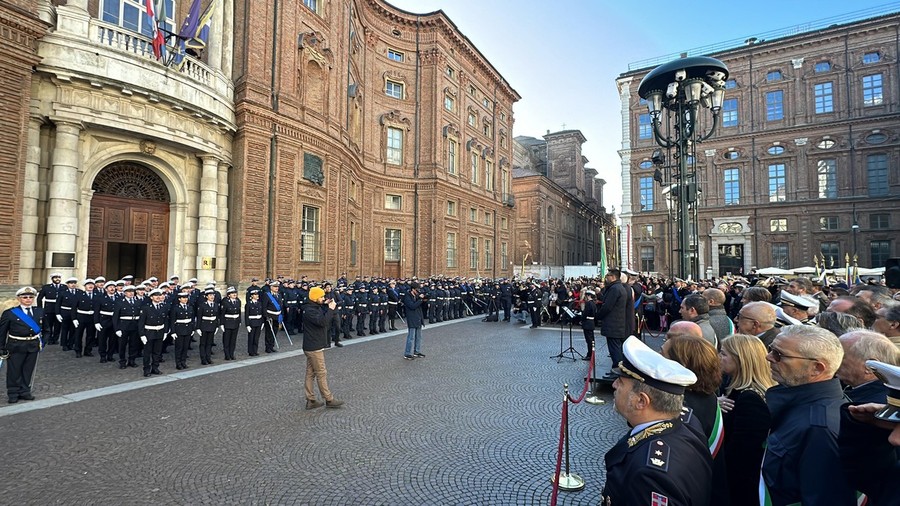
{"x": 745, "y": 413}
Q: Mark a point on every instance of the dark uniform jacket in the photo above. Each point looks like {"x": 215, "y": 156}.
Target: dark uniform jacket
{"x": 106, "y": 309}
{"x": 11, "y": 327}
{"x": 588, "y": 315}
{"x": 231, "y": 313}
{"x": 869, "y": 460}
{"x": 67, "y": 301}
{"x": 153, "y": 322}
{"x": 47, "y": 298}
{"x": 272, "y": 311}
{"x": 208, "y": 319}
{"x": 666, "y": 462}
{"x": 802, "y": 463}
{"x": 87, "y": 305}
{"x": 126, "y": 315}
{"x": 253, "y": 313}
{"x": 182, "y": 320}
{"x": 413, "y": 305}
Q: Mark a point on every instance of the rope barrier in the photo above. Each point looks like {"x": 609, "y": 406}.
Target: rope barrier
{"x": 559, "y": 451}
{"x": 587, "y": 382}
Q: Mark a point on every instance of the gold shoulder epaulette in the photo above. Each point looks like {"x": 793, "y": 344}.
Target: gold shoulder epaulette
{"x": 653, "y": 430}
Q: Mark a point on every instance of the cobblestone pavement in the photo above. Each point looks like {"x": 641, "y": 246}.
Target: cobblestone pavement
{"x": 474, "y": 423}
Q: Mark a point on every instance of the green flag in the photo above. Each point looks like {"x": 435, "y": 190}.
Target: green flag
{"x": 602, "y": 253}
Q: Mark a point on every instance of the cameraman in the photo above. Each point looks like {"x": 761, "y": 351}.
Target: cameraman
{"x": 412, "y": 301}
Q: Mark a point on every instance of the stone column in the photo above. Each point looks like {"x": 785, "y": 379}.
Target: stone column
{"x": 207, "y": 227}
{"x": 214, "y": 44}
{"x": 222, "y": 224}
{"x": 227, "y": 37}
{"x": 62, "y": 222}
{"x": 32, "y": 190}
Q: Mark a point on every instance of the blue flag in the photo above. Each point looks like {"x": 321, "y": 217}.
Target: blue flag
{"x": 200, "y": 37}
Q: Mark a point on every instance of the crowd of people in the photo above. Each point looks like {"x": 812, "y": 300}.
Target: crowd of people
{"x": 790, "y": 388}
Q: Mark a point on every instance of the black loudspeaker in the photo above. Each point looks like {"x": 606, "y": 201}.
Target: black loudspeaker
{"x": 892, "y": 273}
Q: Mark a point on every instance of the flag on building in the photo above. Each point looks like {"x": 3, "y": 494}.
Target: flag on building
{"x": 156, "y": 36}
{"x": 188, "y": 29}
{"x": 602, "y": 253}
{"x": 200, "y": 37}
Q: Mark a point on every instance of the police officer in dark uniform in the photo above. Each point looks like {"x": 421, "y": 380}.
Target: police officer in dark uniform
{"x": 182, "y": 324}
{"x": 20, "y": 343}
{"x": 208, "y": 322}
{"x": 374, "y": 309}
{"x": 362, "y": 309}
{"x": 66, "y": 302}
{"x": 347, "y": 312}
{"x": 274, "y": 306}
{"x": 231, "y": 321}
{"x": 125, "y": 327}
{"x": 291, "y": 306}
{"x": 254, "y": 313}
{"x": 393, "y": 302}
{"x": 152, "y": 326}
{"x": 103, "y": 323}
{"x": 47, "y": 299}
{"x": 505, "y": 297}
{"x": 587, "y": 323}
{"x": 85, "y": 308}
{"x": 534, "y": 305}
{"x": 661, "y": 460}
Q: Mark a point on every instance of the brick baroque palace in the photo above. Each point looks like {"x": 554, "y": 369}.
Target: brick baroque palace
{"x": 304, "y": 138}
{"x": 804, "y": 162}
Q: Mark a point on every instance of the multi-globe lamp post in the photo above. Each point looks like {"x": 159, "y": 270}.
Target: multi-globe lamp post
{"x": 682, "y": 89}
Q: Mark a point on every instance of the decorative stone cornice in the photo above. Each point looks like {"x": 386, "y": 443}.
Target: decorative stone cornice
{"x": 395, "y": 117}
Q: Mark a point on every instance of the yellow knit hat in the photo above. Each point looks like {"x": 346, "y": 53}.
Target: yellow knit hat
{"x": 316, "y": 293}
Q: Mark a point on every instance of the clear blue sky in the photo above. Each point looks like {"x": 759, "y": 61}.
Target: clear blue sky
{"x": 563, "y": 57}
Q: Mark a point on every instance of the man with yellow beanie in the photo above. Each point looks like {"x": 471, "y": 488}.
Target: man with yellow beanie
{"x": 317, "y": 318}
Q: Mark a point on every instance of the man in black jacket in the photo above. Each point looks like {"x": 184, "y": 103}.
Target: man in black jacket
{"x": 20, "y": 343}
{"x": 317, "y": 318}
{"x": 617, "y": 316}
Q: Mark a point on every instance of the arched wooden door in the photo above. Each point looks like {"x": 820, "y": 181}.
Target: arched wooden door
{"x": 129, "y": 231}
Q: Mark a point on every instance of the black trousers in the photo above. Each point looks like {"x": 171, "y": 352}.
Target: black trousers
{"x": 20, "y": 365}
{"x": 51, "y": 328}
{"x": 589, "y": 340}
{"x": 253, "y": 340}
{"x": 615, "y": 350}
{"x": 106, "y": 342}
{"x": 206, "y": 341}
{"x": 67, "y": 332}
{"x": 229, "y": 341}
{"x": 271, "y": 327}
{"x": 152, "y": 353}
{"x": 85, "y": 335}
{"x": 360, "y": 323}
{"x": 182, "y": 342}
{"x": 129, "y": 346}
{"x": 507, "y": 308}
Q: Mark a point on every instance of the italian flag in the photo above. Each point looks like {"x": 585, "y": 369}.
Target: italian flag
{"x": 718, "y": 434}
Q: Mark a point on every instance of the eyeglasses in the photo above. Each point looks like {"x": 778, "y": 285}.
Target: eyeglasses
{"x": 740, "y": 317}
{"x": 27, "y": 296}
{"x": 777, "y": 355}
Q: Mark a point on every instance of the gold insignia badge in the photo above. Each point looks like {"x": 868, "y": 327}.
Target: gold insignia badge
{"x": 658, "y": 462}
{"x": 652, "y": 430}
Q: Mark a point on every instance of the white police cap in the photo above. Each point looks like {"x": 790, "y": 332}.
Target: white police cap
{"x": 25, "y": 290}
{"x": 798, "y": 301}
{"x": 890, "y": 375}
{"x": 643, "y": 364}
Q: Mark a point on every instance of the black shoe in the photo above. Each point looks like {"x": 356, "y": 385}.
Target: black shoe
{"x": 155, "y": 371}
{"x": 146, "y": 374}
{"x": 121, "y": 366}
{"x": 209, "y": 362}
{"x": 339, "y": 344}
{"x": 88, "y": 354}
{"x": 409, "y": 357}
{"x": 178, "y": 367}
{"x": 419, "y": 355}
{"x": 26, "y": 397}
{"x": 586, "y": 359}
{"x": 161, "y": 360}
{"x": 103, "y": 360}
{"x": 13, "y": 400}
{"x": 77, "y": 354}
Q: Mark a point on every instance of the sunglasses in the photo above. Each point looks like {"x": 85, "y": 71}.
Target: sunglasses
{"x": 777, "y": 355}
{"x": 27, "y": 296}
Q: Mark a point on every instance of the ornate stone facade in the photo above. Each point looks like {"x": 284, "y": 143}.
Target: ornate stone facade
{"x": 806, "y": 162}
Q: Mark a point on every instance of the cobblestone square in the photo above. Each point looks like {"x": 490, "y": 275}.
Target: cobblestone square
{"x": 476, "y": 422}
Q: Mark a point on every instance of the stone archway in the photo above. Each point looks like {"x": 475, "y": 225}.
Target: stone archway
{"x": 129, "y": 225}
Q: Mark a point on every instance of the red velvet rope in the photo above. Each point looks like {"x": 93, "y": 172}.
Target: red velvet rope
{"x": 587, "y": 382}
{"x": 559, "y": 451}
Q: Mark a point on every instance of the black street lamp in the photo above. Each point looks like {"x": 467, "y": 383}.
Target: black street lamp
{"x": 682, "y": 88}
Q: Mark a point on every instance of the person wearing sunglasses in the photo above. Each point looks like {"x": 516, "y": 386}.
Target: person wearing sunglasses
{"x": 20, "y": 343}
{"x": 801, "y": 462}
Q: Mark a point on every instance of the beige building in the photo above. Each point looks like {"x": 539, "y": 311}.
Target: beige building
{"x": 804, "y": 162}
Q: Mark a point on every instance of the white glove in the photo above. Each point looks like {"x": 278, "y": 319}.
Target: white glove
{"x": 119, "y": 333}
{"x": 144, "y": 339}
{"x": 59, "y": 318}
{"x": 222, "y": 328}
{"x": 99, "y": 327}
{"x": 198, "y": 332}
{"x": 75, "y": 322}
{"x": 248, "y": 329}
{"x": 174, "y": 336}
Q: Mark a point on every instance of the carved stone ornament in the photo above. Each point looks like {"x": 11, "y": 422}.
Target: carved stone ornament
{"x": 451, "y": 129}
{"x": 314, "y": 45}
{"x": 148, "y": 147}
{"x": 395, "y": 117}
{"x": 312, "y": 169}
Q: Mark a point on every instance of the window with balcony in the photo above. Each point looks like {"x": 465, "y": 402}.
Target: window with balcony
{"x": 132, "y": 15}
{"x": 827, "y": 174}
{"x": 391, "y": 245}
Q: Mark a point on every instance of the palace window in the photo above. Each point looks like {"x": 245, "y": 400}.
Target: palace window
{"x": 391, "y": 245}
{"x": 309, "y": 235}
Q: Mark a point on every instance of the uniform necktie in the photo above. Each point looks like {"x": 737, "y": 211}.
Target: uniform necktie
{"x": 28, "y": 312}
{"x": 184, "y": 306}
{"x": 73, "y": 291}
